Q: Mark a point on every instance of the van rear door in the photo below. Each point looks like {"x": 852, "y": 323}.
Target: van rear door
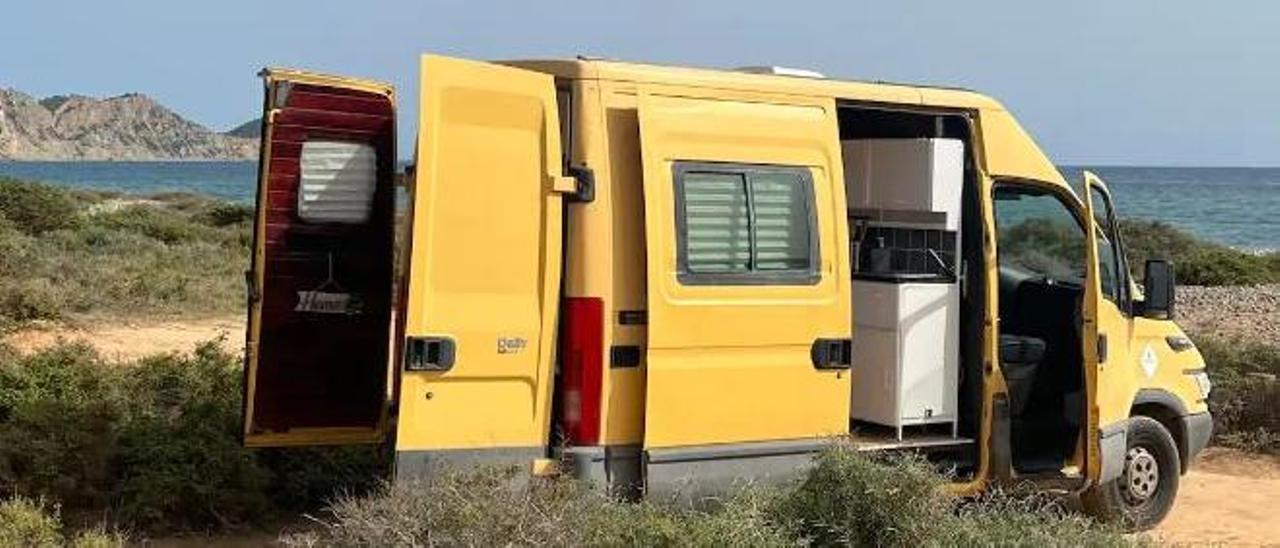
{"x": 484, "y": 266}
{"x": 748, "y": 288}
{"x": 320, "y": 286}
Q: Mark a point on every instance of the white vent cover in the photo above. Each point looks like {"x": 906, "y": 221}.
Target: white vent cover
{"x": 338, "y": 180}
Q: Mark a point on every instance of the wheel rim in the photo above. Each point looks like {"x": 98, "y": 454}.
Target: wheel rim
{"x": 1141, "y": 475}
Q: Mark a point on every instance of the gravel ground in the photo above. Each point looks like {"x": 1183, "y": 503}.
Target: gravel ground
{"x": 1249, "y": 312}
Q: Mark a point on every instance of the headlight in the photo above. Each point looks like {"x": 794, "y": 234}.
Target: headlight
{"x": 1203, "y": 383}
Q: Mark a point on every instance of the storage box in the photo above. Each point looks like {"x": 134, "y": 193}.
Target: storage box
{"x": 915, "y": 175}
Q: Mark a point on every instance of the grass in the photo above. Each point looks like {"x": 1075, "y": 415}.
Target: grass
{"x": 35, "y": 523}
{"x": 66, "y": 253}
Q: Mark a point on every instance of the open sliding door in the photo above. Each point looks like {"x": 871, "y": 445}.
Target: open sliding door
{"x": 484, "y": 268}
{"x": 748, "y": 283}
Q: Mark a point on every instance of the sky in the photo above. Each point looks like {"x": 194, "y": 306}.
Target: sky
{"x": 1139, "y": 82}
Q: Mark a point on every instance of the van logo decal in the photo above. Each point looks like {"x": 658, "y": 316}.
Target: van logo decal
{"x": 511, "y": 345}
{"x": 1149, "y": 361}
{"x": 324, "y": 302}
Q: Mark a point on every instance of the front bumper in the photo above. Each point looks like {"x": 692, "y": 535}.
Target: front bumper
{"x": 1196, "y": 429}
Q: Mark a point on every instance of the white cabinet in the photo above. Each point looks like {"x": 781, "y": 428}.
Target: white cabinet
{"x": 905, "y": 175}
{"x": 905, "y": 353}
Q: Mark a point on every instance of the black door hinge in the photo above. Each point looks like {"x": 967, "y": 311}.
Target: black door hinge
{"x": 585, "y": 192}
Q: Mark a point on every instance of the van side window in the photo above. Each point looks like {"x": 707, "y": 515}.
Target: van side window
{"x": 745, "y": 224}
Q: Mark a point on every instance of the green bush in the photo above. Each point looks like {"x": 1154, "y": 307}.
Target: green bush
{"x": 490, "y": 507}
{"x": 156, "y": 443}
{"x": 33, "y": 523}
{"x": 26, "y": 522}
{"x": 222, "y": 214}
{"x": 183, "y": 253}
{"x": 1196, "y": 261}
{"x": 845, "y": 499}
{"x": 36, "y": 208}
{"x": 57, "y": 411}
{"x": 1245, "y": 399}
{"x": 848, "y": 499}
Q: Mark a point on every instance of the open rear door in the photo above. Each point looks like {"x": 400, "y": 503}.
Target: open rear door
{"x": 484, "y": 267}
{"x": 748, "y": 299}
{"x": 320, "y": 287}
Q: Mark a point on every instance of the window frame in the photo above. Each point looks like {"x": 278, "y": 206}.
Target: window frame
{"x": 1122, "y": 297}
{"x": 1068, "y": 200}
{"x": 809, "y": 275}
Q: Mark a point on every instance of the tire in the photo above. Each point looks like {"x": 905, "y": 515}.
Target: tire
{"x": 1144, "y": 493}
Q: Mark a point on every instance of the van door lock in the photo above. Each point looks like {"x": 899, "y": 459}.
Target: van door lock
{"x": 429, "y": 354}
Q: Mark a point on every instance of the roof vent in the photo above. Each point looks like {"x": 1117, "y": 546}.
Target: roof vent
{"x": 782, "y": 71}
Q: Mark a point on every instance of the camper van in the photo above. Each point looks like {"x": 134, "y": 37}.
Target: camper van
{"x": 661, "y": 278}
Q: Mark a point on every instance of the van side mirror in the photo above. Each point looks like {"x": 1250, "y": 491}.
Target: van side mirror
{"x": 1157, "y": 288}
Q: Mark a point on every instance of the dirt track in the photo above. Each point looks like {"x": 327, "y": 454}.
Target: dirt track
{"x": 1229, "y": 497}
{"x": 134, "y": 339}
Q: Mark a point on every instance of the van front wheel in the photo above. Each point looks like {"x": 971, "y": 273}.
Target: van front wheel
{"x": 1144, "y": 493}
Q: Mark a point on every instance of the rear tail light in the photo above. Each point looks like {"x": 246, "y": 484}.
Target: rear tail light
{"x": 582, "y": 369}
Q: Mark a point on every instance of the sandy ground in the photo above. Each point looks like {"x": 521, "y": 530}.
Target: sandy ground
{"x": 1228, "y": 498}
{"x": 134, "y": 339}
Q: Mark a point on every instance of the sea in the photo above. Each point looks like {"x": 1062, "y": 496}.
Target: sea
{"x": 1236, "y": 206}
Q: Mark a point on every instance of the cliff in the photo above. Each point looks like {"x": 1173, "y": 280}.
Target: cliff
{"x": 127, "y": 127}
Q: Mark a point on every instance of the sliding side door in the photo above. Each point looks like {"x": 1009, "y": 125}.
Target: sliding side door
{"x": 748, "y": 286}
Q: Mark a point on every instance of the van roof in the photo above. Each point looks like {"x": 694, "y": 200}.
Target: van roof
{"x": 889, "y": 92}
{"x": 1011, "y": 152}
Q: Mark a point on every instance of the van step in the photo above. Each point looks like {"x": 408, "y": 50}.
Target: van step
{"x": 875, "y": 441}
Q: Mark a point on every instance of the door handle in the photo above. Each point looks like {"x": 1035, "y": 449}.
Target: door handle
{"x": 429, "y": 354}
{"x": 832, "y": 353}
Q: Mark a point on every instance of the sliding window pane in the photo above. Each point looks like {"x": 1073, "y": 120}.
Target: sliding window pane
{"x": 717, "y": 236}
{"x": 781, "y": 221}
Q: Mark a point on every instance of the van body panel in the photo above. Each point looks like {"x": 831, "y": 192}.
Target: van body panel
{"x": 484, "y": 270}
{"x": 751, "y": 343}
{"x": 320, "y": 285}
{"x": 1010, "y": 152}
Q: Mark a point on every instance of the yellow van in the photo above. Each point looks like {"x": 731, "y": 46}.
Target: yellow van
{"x": 667, "y": 278}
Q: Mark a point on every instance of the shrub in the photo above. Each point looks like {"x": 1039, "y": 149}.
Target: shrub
{"x": 156, "y": 443}
{"x": 849, "y": 499}
{"x": 845, "y": 499}
{"x": 1001, "y": 519}
{"x": 1245, "y": 400}
{"x": 36, "y": 208}
{"x": 1197, "y": 262}
{"x": 130, "y": 258}
{"x": 490, "y": 507}
{"x": 225, "y": 214}
{"x": 181, "y": 460}
{"x": 57, "y": 410}
{"x": 26, "y": 522}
